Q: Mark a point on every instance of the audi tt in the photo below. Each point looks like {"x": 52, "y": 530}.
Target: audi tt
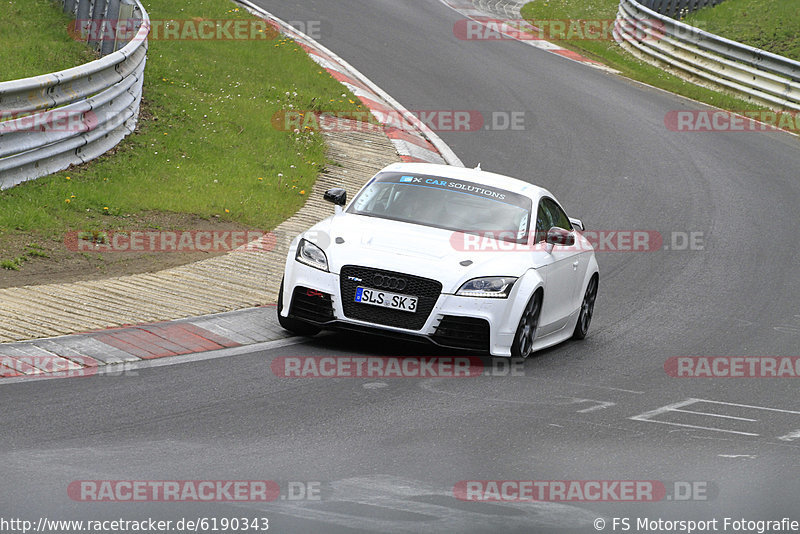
{"x": 463, "y": 258}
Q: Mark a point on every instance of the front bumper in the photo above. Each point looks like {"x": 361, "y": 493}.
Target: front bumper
{"x": 465, "y": 323}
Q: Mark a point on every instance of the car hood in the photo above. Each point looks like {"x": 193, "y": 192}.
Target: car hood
{"x": 349, "y": 239}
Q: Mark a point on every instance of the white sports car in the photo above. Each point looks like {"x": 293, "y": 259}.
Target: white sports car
{"x": 447, "y": 254}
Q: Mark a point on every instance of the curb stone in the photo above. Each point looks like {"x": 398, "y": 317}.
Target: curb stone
{"x": 490, "y": 11}
{"x": 81, "y": 354}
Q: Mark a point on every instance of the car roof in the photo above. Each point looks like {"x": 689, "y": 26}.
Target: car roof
{"x": 473, "y": 175}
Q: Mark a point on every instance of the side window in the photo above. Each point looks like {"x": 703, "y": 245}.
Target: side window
{"x": 548, "y": 216}
{"x": 544, "y": 221}
{"x": 559, "y": 218}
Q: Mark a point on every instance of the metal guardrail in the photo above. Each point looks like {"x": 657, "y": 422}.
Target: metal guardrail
{"x": 677, "y": 8}
{"x": 758, "y": 75}
{"x": 52, "y": 121}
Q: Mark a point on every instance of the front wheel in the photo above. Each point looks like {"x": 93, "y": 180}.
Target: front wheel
{"x": 587, "y": 309}
{"x": 295, "y": 326}
{"x": 528, "y": 325}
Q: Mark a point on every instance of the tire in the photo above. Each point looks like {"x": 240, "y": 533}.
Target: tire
{"x": 295, "y": 326}
{"x": 587, "y": 310}
{"x": 522, "y": 347}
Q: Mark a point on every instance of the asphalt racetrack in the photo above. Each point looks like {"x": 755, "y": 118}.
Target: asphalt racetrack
{"x": 389, "y": 455}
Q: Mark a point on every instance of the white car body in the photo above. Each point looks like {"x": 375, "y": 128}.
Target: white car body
{"x": 405, "y": 250}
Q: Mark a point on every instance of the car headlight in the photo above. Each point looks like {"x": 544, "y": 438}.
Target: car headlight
{"x": 310, "y": 254}
{"x": 490, "y": 286}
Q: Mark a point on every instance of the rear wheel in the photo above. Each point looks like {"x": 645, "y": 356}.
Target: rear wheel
{"x": 587, "y": 310}
{"x": 301, "y": 328}
{"x": 528, "y": 325}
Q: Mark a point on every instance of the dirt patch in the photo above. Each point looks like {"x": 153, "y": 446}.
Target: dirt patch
{"x": 34, "y": 258}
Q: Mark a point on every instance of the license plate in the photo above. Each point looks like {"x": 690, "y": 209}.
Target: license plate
{"x": 385, "y": 299}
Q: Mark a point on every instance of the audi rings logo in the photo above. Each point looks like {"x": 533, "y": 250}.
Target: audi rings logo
{"x": 389, "y": 282}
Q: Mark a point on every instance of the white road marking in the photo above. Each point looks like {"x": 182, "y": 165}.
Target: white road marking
{"x": 749, "y": 406}
{"x": 697, "y": 427}
{"x": 791, "y": 436}
{"x": 715, "y": 415}
{"x": 429, "y": 385}
{"x": 677, "y": 408}
{"x": 599, "y": 405}
{"x": 591, "y": 385}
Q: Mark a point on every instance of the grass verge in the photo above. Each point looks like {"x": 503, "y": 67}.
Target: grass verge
{"x": 772, "y": 25}
{"x": 607, "y": 51}
{"x": 205, "y": 144}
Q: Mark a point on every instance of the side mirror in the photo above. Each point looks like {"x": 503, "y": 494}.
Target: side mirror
{"x": 337, "y": 195}
{"x": 577, "y": 224}
{"x": 559, "y": 236}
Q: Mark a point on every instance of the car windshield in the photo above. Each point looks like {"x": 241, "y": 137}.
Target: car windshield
{"x": 446, "y": 203}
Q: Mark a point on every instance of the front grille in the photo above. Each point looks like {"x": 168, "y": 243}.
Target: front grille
{"x": 426, "y": 290}
{"x": 311, "y": 305}
{"x": 463, "y": 333}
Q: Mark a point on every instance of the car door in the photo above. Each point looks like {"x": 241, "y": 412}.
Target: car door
{"x": 560, "y": 271}
{"x": 580, "y": 257}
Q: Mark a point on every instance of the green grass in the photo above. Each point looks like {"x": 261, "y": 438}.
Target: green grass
{"x": 206, "y": 144}
{"x": 32, "y": 250}
{"x": 607, "y": 51}
{"x": 34, "y": 40}
{"x": 772, "y": 25}
{"x": 12, "y": 264}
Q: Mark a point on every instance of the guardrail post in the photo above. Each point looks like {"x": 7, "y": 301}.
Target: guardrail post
{"x": 111, "y": 23}
{"x": 82, "y": 18}
{"x": 125, "y": 14}
{"x": 69, "y": 6}
{"x": 137, "y": 13}
{"x": 98, "y": 13}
